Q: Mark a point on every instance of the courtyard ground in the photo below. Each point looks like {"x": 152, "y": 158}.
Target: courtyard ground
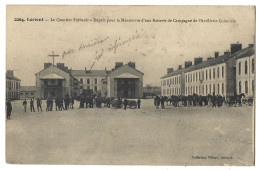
{"x": 146, "y": 136}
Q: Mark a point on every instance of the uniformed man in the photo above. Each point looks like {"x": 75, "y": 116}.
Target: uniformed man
{"x": 32, "y": 105}
{"x": 8, "y": 109}
{"x": 25, "y": 105}
{"x": 39, "y": 104}
{"x": 72, "y": 102}
{"x": 162, "y": 102}
{"x": 125, "y": 103}
{"x": 138, "y": 103}
{"x": 56, "y": 103}
{"x": 108, "y": 102}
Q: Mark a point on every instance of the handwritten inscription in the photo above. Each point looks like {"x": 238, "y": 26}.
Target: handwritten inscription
{"x": 111, "y": 48}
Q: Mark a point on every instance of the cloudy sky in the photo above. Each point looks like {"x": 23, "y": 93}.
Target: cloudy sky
{"x": 156, "y": 46}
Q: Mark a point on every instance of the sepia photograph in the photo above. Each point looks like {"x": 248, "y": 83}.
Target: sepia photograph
{"x": 130, "y": 85}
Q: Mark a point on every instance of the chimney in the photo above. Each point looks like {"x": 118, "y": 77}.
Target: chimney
{"x": 60, "y": 66}
{"x": 250, "y": 45}
{"x": 235, "y": 48}
{"x": 66, "y": 69}
{"x": 180, "y": 67}
{"x": 46, "y": 65}
{"x": 118, "y": 64}
{"x": 169, "y": 70}
{"x": 216, "y": 54}
{"x": 197, "y": 60}
{"x": 187, "y": 64}
{"x": 10, "y": 72}
{"x": 131, "y": 64}
{"x": 227, "y": 52}
{"x": 209, "y": 58}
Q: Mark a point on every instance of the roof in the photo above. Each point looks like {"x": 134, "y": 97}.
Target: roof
{"x": 127, "y": 75}
{"x": 125, "y": 65}
{"x": 174, "y": 73}
{"x": 95, "y": 73}
{"x": 245, "y": 53}
{"x": 9, "y": 76}
{"x": 51, "y": 76}
{"x": 28, "y": 88}
{"x": 214, "y": 61}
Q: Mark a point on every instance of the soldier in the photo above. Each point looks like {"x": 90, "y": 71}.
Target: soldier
{"x": 108, "y": 102}
{"x": 125, "y": 103}
{"x": 39, "y": 104}
{"x": 8, "y": 109}
{"x": 214, "y": 100}
{"x": 61, "y": 104}
{"x": 138, "y": 103}
{"x": 119, "y": 102}
{"x": 24, "y": 105}
{"x": 72, "y": 102}
{"x": 51, "y": 104}
{"x": 48, "y": 104}
{"x": 56, "y": 103}
{"x": 162, "y": 102}
{"x": 32, "y": 105}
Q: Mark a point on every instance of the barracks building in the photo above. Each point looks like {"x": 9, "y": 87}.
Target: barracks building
{"x": 227, "y": 74}
{"x": 58, "y": 80}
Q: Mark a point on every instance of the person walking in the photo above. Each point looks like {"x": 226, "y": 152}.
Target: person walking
{"x": 8, "y": 109}
{"x": 24, "y": 105}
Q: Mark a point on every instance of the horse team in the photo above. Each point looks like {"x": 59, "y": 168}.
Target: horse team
{"x": 198, "y": 100}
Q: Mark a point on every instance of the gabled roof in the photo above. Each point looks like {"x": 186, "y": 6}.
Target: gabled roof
{"x": 51, "y": 76}
{"x": 9, "y": 76}
{"x": 127, "y": 75}
{"x": 95, "y": 73}
{"x": 28, "y": 88}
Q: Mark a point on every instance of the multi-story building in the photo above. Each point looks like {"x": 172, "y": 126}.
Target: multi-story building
{"x": 245, "y": 72}
{"x": 12, "y": 85}
{"x": 214, "y": 76}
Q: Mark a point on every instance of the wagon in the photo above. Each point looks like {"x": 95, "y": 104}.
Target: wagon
{"x": 132, "y": 104}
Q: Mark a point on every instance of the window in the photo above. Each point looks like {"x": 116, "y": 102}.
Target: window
{"x": 213, "y": 73}
{"x": 245, "y": 67}
{"x": 218, "y": 88}
{"x": 210, "y": 74}
{"x": 253, "y": 65}
{"x": 193, "y": 77}
{"x": 222, "y": 71}
{"x": 253, "y": 86}
{"x": 186, "y": 91}
{"x": 222, "y": 88}
{"x": 239, "y": 68}
{"x": 81, "y": 80}
{"x": 202, "y": 75}
{"x": 218, "y": 72}
{"x": 88, "y": 81}
{"x": 239, "y": 87}
{"x": 210, "y": 89}
{"x": 246, "y": 87}
{"x": 199, "y": 76}
{"x": 206, "y": 74}
{"x": 202, "y": 89}
{"x": 95, "y": 80}
{"x": 95, "y": 88}
{"x": 214, "y": 89}
{"x": 32, "y": 93}
{"x": 21, "y": 93}
{"x": 186, "y": 79}
{"x": 206, "y": 89}
{"x": 196, "y": 76}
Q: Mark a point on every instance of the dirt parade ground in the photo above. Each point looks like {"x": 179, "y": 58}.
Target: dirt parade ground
{"x": 147, "y": 136}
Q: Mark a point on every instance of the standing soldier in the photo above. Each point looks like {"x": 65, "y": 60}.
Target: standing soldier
{"x": 32, "y": 105}
{"x": 51, "y": 104}
{"x": 56, "y": 103}
{"x": 24, "y": 105}
{"x": 8, "y": 109}
{"x": 119, "y": 102}
{"x": 125, "y": 103}
{"x": 214, "y": 100}
{"x": 108, "y": 102}
{"x": 48, "y": 104}
{"x": 72, "y": 102}
{"x": 138, "y": 103}
{"x": 39, "y": 104}
{"x": 162, "y": 102}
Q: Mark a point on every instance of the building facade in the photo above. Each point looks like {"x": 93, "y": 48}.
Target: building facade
{"x": 245, "y": 73}
{"x": 28, "y": 92}
{"x": 218, "y": 75}
{"x": 55, "y": 81}
{"x": 12, "y": 86}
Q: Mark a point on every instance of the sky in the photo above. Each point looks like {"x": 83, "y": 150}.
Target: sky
{"x": 155, "y": 47}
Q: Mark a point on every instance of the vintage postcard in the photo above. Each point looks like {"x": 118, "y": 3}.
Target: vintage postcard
{"x": 130, "y": 85}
